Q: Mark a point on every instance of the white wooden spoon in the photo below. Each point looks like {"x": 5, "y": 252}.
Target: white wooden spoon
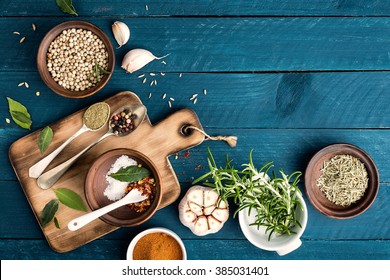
{"x": 132, "y": 197}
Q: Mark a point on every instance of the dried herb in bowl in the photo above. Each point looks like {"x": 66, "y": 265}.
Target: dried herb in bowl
{"x": 273, "y": 198}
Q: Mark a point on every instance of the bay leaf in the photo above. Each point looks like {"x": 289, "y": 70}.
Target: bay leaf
{"x": 49, "y": 211}
{"x": 56, "y": 223}
{"x": 19, "y": 113}
{"x": 45, "y": 138}
{"x": 70, "y": 199}
{"x": 130, "y": 174}
{"x": 66, "y": 6}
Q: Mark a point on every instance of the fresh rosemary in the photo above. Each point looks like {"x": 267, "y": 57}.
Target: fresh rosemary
{"x": 273, "y": 198}
{"x": 98, "y": 71}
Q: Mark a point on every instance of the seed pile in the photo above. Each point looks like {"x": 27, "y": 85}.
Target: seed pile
{"x": 123, "y": 122}
{"x": 147, "y": 187}
{"x": 72, "y": 57}
{"x": 344, "y": 180}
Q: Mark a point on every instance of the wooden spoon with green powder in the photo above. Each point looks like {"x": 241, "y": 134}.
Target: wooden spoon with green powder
{"x": 94, "y": 118}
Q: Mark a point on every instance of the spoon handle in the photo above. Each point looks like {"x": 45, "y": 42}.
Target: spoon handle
{"x": 37, "y": 169}
{"x": 47, "y": 179}
{"x": 81, "y": 221}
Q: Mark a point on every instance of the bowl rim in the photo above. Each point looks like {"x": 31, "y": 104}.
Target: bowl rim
{"x": 89, "y": 190}
{"x": 369, "y": 197}
{"x": 45, "y": 43}
{"x": 134, "y": 241}
{"x": 245, "y": 228}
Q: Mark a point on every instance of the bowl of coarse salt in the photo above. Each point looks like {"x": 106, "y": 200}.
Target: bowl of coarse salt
{"x": 113, "y": 175}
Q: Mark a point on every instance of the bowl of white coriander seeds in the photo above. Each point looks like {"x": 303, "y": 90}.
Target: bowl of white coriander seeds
{"x": 76, "y": 59}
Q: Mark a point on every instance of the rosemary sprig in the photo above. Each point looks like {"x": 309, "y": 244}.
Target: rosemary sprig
{"x": 97, "y": 70}
{"x": 273, "y": 198}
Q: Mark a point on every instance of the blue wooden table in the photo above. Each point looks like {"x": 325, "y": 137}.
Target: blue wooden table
{"x": 288, "y": 77}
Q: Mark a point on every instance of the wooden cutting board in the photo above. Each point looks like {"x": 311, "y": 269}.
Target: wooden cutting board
{"x": 157, "y": 142}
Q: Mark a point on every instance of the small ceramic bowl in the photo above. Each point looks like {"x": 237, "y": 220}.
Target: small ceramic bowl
{"x": 132, "y": 244}
{"x": 95, "y": 184}
{"x": 42, "y": 53}
{"x": 316, "y": 196}
{"x": 282, "y": 244}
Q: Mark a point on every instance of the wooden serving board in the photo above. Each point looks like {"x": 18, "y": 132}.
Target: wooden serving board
{"x": 157, "y": 142}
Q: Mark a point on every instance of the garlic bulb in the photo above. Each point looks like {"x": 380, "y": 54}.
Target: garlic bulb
{"x": 203, "y": 211}
{"x": 138, "y": 58}
{"x": 121, "y": 33}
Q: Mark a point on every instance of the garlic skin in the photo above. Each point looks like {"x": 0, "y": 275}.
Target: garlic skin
{"x": 203, "y": 211}
{"x": 121, "y": 33}
{"x": 138, "y": 58}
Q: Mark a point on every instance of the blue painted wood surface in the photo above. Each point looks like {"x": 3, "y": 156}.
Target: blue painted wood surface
{"x": 287, "y": 77}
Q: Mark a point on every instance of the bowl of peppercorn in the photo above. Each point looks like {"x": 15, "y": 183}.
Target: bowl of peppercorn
{"x": 114, "y": 174}
{"x": 341, "y": 181}
{"x": 76, "y": 59}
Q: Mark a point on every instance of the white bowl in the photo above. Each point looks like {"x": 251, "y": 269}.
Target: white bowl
{"x": 135, "y": 240}
{"x": 282, "y": 244}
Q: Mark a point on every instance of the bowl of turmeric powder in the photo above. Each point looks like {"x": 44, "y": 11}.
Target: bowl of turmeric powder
{"x": 156, "y": 244}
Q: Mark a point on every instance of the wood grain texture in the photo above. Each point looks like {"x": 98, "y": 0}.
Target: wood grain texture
{"x": 226, "y": 45}
{"x": 290, "y": 149}
{"x": 291, "y": 100}
{"x": 319, "y": 227}
{"x": 202, "y": 8}
{"x": 155, "y": 142}
{"x": 206, "y": 250}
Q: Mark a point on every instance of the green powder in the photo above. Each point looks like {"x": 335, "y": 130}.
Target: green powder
{"x": 96, "y": 116}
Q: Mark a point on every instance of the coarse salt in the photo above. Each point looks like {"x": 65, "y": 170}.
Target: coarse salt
{"x": 116, "y": 189}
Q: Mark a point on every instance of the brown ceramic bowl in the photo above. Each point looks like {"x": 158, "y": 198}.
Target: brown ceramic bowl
{"x": 318, "y": 199}
{"x": 95, "y": 185}
{"x": 42, "y": 53}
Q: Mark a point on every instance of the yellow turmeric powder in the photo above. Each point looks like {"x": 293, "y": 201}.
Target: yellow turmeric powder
{"x": 157, "y": 246}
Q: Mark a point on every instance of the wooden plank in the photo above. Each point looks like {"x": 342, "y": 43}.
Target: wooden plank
{"x": 228, "y": 44}
{"x": 24, "y": 226}
{"x": 202, "y": 8}
{"x": 299, "y": 100}
{"x": 205, "y": 250}
{"x": 287, "y": 148}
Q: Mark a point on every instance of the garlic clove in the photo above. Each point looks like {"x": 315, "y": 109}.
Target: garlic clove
{"x": 189, "y": 217}
{"x": 208, "y": 210}
{"x": 138, "y": 58}
{"x": 197, "y": 214}
{"x": 221, "y": 214}
{"x": 221, "y": 204}
{"x": 121, "y": 33}
{"x": 210, "y": 198}
{"x": 201, "y": 226}
{"x": 195, "y": 195}
{"x": 214, "y": 224}
{"x": 196, "y": 208}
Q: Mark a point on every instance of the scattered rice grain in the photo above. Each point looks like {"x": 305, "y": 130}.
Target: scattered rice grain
{"x": 180, "y": 75}
{"x": 37, "y": 93}
{"x": 146, "y": 8}
{"x": 195, "y": 100}
{"x": 204, "y": 92}
{"x": 7, "y": 120}
{"x": 163, "y": 62}
{"x": 150, "y": 95}
{"x": 26, "y": 85}
{"x": 171, "y": 98}
{"x": 141, "y": 76}
{"x": 152, "y": 74}
{"x": 34, "y": 27}
{"x": 16, "y": 33}
{"x": 164, "y": 95}
{"x": 22, "y": 40}
{"x": 169, "y": 104}
{"x": 21, "y": 84}
{"x": 162, "y": 74}
{"x": 144, "y": 81}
